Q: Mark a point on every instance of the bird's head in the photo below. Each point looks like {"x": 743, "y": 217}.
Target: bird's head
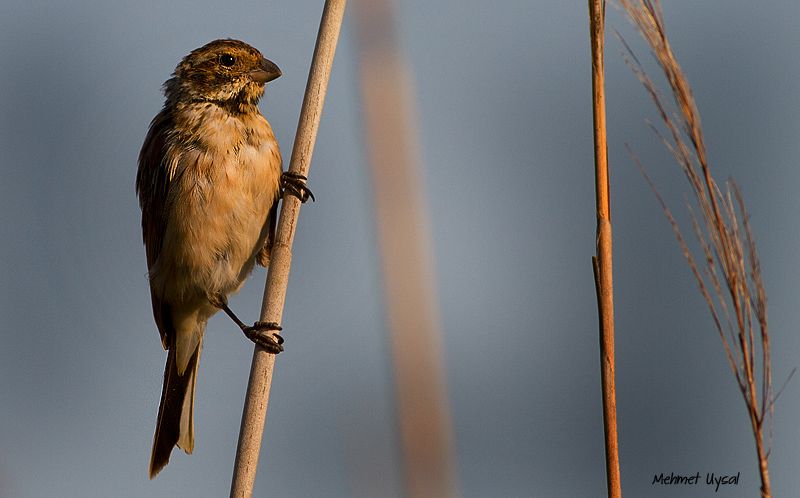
{"x": 227, "y": 72}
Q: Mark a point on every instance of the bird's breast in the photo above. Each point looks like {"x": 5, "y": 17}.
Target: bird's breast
{"x": 228, "y": 181}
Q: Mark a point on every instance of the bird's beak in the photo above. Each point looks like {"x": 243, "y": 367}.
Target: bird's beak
{"x": 267, "y": 72}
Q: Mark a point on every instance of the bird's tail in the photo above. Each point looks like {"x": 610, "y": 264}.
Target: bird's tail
{"x": 175, "y": 424}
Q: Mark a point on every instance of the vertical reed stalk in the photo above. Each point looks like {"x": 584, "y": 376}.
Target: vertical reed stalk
{"x": 255, "y": 407}
{"x": 602, "y": 262}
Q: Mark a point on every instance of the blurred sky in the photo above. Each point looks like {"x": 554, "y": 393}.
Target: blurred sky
{"x": 504, "y": 102}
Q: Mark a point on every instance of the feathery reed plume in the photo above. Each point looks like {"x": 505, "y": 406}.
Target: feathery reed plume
{"x": 602, "y": 261}
{"x": 730, "y": 280}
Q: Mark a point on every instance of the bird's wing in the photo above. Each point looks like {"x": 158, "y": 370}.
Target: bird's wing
{"x": 153, "y": 179}
{"x": 266, "y": 250}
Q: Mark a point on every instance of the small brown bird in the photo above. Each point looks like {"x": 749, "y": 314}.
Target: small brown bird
{"x": 208, "y": 182}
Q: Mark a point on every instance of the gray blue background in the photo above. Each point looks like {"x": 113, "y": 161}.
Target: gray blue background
{"x": 505, "y": 127}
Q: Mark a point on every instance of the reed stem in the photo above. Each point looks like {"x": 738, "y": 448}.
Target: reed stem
{"x": 602, "y": 262}
{"x": 258, "y": 387}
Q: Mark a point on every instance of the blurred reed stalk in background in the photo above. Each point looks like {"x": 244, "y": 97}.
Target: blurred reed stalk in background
{"x": 730, "y": 280}
{"x": 405, "y": 248}
{"x": 602, "y": 261}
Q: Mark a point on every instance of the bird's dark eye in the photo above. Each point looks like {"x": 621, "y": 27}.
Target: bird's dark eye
{"x": 227, "y": 60}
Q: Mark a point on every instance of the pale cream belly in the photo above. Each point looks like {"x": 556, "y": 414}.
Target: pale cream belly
{"x": 214, "y": 234}
{"x": 210, "y": 254}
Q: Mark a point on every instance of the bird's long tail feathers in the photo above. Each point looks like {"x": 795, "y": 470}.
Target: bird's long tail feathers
{"x": 175, "y": 424}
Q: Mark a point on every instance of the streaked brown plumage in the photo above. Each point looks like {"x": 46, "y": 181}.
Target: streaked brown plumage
{"x": 208, "y": 182}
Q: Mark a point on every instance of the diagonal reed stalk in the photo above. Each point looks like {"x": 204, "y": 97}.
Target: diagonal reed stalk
{"x": 258, "y": 387}
{"x": 730, "y": 276}
{"x": 602, "y": 262}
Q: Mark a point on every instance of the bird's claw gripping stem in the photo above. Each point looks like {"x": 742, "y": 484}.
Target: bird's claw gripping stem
{"x": 295, "y": 184}
{"x": 262, "y": 334}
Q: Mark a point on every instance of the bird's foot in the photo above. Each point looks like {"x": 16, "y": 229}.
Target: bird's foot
{"x": 295, "y": 184}
{"x": 262, "y": 334}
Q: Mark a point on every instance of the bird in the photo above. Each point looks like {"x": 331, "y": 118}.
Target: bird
{"x": 208, "y": 181}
